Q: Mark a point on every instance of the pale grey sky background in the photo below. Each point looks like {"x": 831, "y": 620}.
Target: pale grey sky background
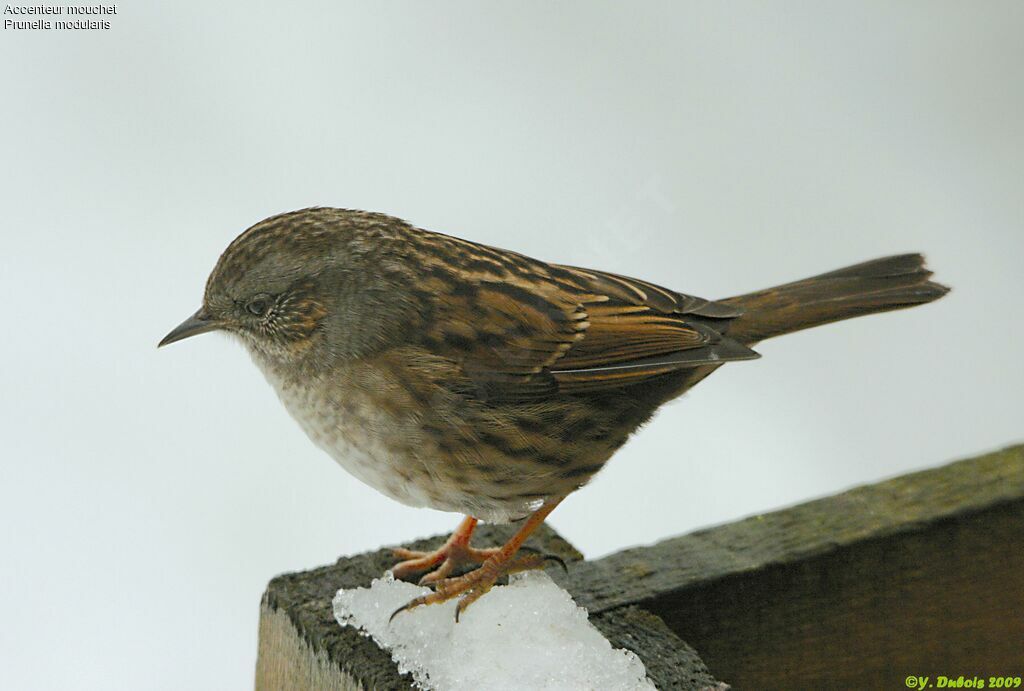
{"x": 147, "y": 497}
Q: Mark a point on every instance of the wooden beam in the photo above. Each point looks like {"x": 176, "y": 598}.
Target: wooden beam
{"x": 919, "y": 575}
{"x": 922, "y": 575}
{"x": 302, "y": 647}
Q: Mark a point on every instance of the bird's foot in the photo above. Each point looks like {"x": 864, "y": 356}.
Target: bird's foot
{"x": 471, "y": 586}
{"x": 450, "y": 557}
{"x": 494, "y": 563}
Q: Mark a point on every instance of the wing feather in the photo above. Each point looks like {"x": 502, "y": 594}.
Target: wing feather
{"x": 528, "y": 328}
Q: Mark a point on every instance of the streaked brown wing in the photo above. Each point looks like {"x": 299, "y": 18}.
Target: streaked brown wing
{"x": 531, "y": 328}
{"x": 643, "y": 330}
{"x": 638, "y": 292}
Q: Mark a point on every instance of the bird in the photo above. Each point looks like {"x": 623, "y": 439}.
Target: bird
{"x": 465, "y": 378}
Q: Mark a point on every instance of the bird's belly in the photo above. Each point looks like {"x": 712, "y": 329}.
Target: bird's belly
{"x": 370, "y": 444}
{"x": 428, "y": 456}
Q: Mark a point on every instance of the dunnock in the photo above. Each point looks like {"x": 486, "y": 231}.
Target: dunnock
{"x": 465, "y": 378}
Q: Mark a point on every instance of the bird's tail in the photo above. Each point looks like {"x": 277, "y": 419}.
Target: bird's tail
{"x": 879, "y": 285}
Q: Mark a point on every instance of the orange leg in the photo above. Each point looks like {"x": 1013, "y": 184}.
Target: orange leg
{"x": 454, "y": 553}
{"x": 500, "y": 562}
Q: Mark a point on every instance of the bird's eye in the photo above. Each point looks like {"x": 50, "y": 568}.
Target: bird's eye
{"x": 259, "y": 305}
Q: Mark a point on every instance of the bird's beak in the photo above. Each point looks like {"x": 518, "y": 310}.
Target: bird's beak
{"x": 198, "y": 323}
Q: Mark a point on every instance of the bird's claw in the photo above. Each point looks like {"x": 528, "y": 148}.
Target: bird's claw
{"x": 547, "y": 556}
{"x": 471, "y": 586}
{"x": 447, "y": 558}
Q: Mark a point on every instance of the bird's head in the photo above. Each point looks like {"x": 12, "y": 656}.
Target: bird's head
{"x": 306, "y": 284}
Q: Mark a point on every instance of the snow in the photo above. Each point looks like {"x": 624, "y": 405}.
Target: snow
{"x": 526, "y": 635}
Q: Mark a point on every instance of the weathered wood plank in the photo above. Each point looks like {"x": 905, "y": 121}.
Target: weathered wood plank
{"x": 922, "y": 574}
{"x": 329, "y": 655}
{"x": 302, "y": 647}
{"x": 919, "y": 575}
{"x": 671, "y": 663}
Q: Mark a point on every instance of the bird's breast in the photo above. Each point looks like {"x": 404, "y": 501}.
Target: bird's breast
{"x": 422, "y": 444}
{"x": 372, "y": 443}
